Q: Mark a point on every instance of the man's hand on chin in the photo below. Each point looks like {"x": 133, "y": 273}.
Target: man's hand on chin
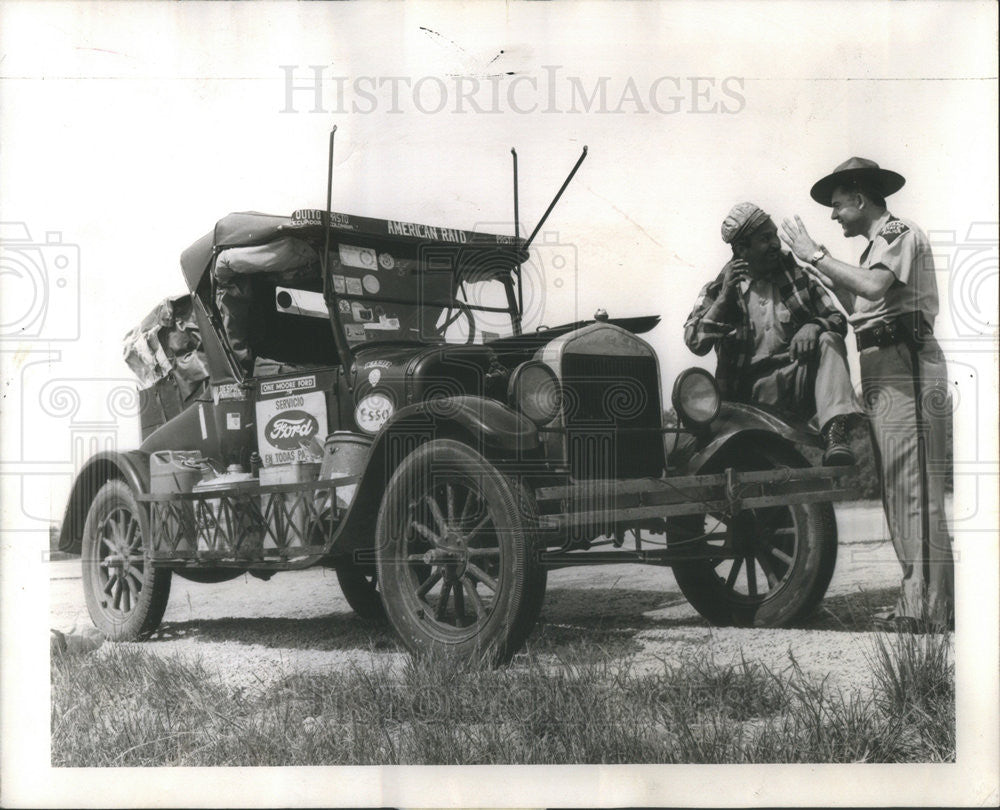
{"x": 737, "y": 271}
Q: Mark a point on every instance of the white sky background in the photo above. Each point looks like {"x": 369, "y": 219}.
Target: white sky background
{"x": 132, "y": 128}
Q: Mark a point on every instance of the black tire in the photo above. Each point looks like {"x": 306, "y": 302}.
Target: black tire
{"x": 209, "y": 576}
{"x": 126, "y": 596}
{"x": 789, "y": 553}
{"x": 360, "y": 587}
{"x": 455, "y": 545}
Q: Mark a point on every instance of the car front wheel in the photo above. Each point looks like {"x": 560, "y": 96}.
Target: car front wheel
{"x": 456, "y": 556}
{"x": 780, "y": 559}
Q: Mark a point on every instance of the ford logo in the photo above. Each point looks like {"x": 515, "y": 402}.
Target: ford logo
{"x": 288, "y": 429}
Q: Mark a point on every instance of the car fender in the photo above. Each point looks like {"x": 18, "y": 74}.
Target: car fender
{"x": 492, "y": 424}
{"x": 490, "y": 427}
{"x": 132, "y": 467}
{"x": 738, "y": 421}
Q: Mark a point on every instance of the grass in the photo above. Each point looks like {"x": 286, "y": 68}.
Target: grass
{"x": 915, "y": 681}
{"x": 123, "y": 706}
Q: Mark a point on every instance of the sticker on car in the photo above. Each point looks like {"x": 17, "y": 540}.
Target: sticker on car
{"x": 287, "y": 386}
{"x": 373, "y": 411}
{"x": 290, "y": 427}
{"x": 228, "y": 391}
{"x": 352, "y": 256}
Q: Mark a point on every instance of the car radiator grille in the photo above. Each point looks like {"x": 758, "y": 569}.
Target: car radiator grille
{"x": 611, "y": 406}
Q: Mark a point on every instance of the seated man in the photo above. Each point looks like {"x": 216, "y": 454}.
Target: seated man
{"x": 778, "y": 337}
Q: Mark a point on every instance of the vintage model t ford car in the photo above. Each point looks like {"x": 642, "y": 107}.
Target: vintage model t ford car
{"x": 361, "y": 394}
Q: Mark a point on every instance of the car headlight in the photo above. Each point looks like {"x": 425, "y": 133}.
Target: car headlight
{"x": 696, "y": 397}
{"x": 534, "y": 390}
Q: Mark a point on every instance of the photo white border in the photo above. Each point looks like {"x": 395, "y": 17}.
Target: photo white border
{"x": 27, "y": 779}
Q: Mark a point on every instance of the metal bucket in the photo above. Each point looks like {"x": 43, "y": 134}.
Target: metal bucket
{"x": 345, "y": 455}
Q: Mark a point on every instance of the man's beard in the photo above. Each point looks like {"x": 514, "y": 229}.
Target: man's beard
{"x": 766, "y": 266}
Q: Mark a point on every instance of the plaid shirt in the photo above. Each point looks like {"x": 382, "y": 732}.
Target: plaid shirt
{"x": 805, "y": 299}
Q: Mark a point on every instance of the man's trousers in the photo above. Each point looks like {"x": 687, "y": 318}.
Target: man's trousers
{"x": 821, "y": 387}
{"x": 905, "y": 392}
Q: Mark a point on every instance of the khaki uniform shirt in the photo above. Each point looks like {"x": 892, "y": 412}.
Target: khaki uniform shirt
{"x": 903, "y": 249}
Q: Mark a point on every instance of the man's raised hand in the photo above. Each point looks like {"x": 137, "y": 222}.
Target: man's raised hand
{"x": 798, "y": 239}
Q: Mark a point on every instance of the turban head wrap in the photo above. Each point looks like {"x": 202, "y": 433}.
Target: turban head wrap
{"x": 741, "y": 221}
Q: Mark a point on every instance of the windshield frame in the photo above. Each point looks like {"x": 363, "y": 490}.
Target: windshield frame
{"x": 509, "y": 277}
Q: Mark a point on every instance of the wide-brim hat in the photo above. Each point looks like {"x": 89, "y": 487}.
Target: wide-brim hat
{"x": 861, "y": 169}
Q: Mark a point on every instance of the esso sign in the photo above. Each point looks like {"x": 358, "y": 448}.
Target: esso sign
{"x": 373, "y": 411}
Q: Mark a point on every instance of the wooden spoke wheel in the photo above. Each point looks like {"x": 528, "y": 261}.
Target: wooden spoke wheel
{"x": 776, "y": 562}
{"x": 126, "y": 596}
{"x": 455, "y": 546}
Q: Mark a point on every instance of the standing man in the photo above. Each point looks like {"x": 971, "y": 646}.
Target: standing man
{"x": 892, "y": 300}
{"x": 778, "y": 337}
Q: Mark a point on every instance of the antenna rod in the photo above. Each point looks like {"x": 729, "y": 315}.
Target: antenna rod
{"x": 343, "y": 347}
{"x": 517, "y": 219}
{"x": 329, "y": 204}
{"x": 517, "y": 236}
{"x": 552, "y": 204}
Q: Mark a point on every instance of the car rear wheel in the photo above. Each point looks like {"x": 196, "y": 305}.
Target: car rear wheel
{"x": 784, "y": 555}
{"x": 456, "y": 557}
{"x": 126, "y": 596}
{"x": 209, "y": 576}
{"x": 360, "y": 588}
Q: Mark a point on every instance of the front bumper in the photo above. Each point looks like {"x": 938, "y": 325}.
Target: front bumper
{"x": 574, "y": 518}
{"x": 606, "y": 502}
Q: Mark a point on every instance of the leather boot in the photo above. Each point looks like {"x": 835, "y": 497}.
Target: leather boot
{"x": 838, "y": 452}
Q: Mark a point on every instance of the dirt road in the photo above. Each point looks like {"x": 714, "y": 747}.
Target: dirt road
{"x": 252, "y": 632}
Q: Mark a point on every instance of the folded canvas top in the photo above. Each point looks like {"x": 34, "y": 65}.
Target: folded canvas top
{"x": 167, "y": 341}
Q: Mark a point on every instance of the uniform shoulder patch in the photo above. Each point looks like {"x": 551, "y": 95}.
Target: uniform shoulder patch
{"x": 892, "y": 230}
